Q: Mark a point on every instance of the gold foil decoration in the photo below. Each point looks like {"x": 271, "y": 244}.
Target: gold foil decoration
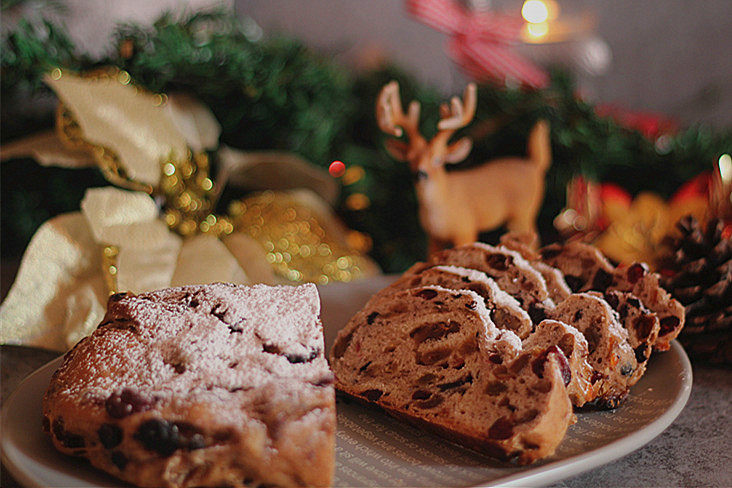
{"x": 301, "y": 243}
{"x": 636, "y": 233}
{"x": 71, "y": 134}
{"x": 129, "y": 131}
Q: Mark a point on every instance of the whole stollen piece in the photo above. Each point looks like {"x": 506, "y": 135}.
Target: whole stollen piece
{"x": 610, "y": 355}
{"x": 513, "y": 273}
{"x": 505, "y": 310}
{"x": 433, "y": 357}
{"x": 211, "y": 385}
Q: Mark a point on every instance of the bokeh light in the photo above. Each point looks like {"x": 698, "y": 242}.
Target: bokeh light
{"x": 336, "y": 169}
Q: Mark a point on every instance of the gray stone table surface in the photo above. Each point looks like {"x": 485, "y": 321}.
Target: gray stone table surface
{"x": 696, "y": 450}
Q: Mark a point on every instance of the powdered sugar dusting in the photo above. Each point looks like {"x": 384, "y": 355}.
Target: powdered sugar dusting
{"x": 203, "y": 344}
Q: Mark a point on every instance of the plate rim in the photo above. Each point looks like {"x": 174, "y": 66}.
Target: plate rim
{"x": 544, "y": 475}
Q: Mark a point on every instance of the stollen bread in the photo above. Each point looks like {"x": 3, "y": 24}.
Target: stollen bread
{"x": 574, "y": 346}
{"x": 505, "y": 311}
{"x": 585, "y": 268}
{"x": 642, "y": 326}
{"x": 214, "y": 385}
{"x": 610, "y": 354}
{"x": 511, "y": 272}
{"x": 432, "y": 356}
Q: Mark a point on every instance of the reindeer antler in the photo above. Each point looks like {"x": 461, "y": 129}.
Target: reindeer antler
{"x": 390, "y": 115}
{"x": 459, "y": 113}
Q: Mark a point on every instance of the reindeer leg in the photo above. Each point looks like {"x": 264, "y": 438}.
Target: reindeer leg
{"x": 465, "y": 238}
{"x": 523, "y": 224}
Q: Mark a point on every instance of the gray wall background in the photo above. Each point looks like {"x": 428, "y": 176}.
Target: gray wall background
{"x": 669, "y": 56}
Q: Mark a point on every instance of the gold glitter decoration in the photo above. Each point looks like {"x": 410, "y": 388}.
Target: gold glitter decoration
{"x": 191, "y": 197}
{"x": 109, "y": 268}
{"x": 298, "y": 245}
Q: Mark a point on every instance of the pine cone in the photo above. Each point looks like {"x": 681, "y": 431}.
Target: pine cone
{"x": 698, "y": 272}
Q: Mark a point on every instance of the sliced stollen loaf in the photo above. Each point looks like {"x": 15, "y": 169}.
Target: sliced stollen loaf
{"x": 505, "y": 310}
{"x": 513, "y": 273}
{"x": 215, "y": 385}
{"x": 555, "y": 283}
{"x": 610, "y": 354}
{"x": 554, "y": 278}
{"x": 642, "y": 326}
{"x": 432, "y": 356}
{"x": 574, "y": 346}
{"x": 585, "y": 268}
{"x": 637, "y": 280}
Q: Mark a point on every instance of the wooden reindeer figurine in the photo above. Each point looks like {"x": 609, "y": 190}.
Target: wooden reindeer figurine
{"x": 454, "y": 207}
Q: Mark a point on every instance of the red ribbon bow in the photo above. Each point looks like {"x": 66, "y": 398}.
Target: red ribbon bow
{"x": 480, "y": 42}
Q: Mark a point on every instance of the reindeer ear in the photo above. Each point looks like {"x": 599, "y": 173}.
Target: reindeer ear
{"x": 458, "y": 150}
{"x": 398, "y": 149}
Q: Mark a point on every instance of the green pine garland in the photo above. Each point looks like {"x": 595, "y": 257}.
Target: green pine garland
{"x": 277, "y": 94}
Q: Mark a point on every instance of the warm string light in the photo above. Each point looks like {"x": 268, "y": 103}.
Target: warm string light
{"x": 725, "y": 168}
{"x": 538, "y": 14}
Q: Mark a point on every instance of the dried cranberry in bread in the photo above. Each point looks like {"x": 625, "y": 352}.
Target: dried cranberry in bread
{"x": 432, "y": 356}
{"x": 513, "y": 273}
{"x": 584, "y": 266}
{"x": 637, "y": 280}
{"x": 215, "y": 385}
{"x": 505, "y": 310}
{"x": 610, "y": 355}
{"x": 574, "y": 346}
{"x": 642, "y": 326}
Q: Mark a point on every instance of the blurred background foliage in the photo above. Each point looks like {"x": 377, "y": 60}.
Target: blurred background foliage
{"x": 273, "y": 92}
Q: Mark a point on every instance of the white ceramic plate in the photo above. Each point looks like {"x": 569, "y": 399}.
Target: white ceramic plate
{"x": 374, "y": 449}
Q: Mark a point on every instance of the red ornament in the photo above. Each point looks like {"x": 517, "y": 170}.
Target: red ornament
{"x": 337, "y": 169}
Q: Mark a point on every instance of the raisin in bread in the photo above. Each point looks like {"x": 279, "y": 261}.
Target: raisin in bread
{"x": 513, "y": 274}
{"x": 433, "y": 357}
{"x": 215, "y": 385}
{"x": 610, "y": 354}
{"x": 642, "y": 326}
{"x": 574, "y": 346}
{"x": 505, "y": 310}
